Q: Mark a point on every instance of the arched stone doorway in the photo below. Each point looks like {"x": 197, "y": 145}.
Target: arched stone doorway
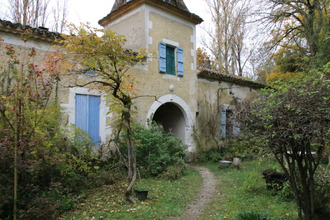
{"x": 172, "y": 119}
{"x": 174, "y": 114}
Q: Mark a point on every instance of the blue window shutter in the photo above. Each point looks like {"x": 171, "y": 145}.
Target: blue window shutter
{"x": 94, "y": 118}
{"x": 180, "y": 61}
{"x": 162, "y": 57}
{"x": 87, "y": 115}
{"x": 223, "y": 118}
{"x": 81, "y": 112}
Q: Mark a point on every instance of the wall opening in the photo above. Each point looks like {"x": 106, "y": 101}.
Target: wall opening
{"x": 172, "y": 119}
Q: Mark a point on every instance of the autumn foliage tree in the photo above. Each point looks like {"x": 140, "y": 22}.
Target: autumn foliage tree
{"x": 300, "y": 19}
{"x": 299, "y": 31}
{"x": 293, "y": 118}
{"x": 26, "y": 131}
{"x": 111, "y": 61}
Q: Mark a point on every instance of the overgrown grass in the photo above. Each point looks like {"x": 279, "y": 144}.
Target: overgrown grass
{"x": 166, "y": 199}
{"x": 239, "y": 193}
{"x": 244, "y": 190}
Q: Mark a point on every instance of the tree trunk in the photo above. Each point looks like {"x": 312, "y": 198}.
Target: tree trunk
{"x": 131, "y": 153}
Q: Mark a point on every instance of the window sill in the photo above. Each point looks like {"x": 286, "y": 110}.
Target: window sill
{"x": 171, "y": 77}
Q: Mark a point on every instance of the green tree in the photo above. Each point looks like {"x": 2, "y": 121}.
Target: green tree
{"x": 111, "y": 61}
{"x": 293, "y": 119}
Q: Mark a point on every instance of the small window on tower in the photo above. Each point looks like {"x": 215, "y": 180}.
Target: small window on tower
{"x": 170, "y": 59}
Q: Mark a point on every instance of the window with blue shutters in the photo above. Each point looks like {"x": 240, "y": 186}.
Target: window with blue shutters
{"x": 170, "y": 59}
{"x": 87, "y": 115}
{"x": 229, "y": 126}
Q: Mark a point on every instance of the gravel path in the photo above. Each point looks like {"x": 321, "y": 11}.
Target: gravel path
{"x": 205, "y": 195}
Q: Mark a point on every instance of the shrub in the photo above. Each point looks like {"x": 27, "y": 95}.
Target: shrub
{"x": 213, "y": 156}
{"x": 286, "y": 193}
{"x": 245, "y": 147}
{"x": 293, "y": 120}
{"x": 156, "y": 150}
{"x": 174, "y": 172}
{"x": 252, "y": 215}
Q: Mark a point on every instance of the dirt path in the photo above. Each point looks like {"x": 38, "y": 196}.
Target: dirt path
{"x": 205, "y": 195}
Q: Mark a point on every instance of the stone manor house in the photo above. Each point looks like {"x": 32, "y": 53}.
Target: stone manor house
{"x": 186, "y": 95}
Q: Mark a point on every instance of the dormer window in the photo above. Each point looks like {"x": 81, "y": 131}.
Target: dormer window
{"x": 170, "y": 59}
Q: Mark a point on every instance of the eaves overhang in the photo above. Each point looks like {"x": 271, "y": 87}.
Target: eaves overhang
{"x": 40, "y": 33}
{"x": 218, "y": 76}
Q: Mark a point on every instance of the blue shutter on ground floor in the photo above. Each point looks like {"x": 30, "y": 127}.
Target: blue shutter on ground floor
{"x": 81, "y": 112}
{"x": 87, "y": 113}
{"x": 180, "y": 61}
{"x": 162, "y": 57}
{"x": 223, "y": 119}
{"x": 94, "y": 118}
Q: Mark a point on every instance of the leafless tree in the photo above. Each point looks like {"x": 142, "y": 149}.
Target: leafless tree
{"x": 29, "y": 12}
{"x": 227, "y": 37}
{"x": 60, "y": 13}
{"x": 37, "y": 12}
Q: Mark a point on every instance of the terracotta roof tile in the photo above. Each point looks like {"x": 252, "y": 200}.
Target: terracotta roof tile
{"x": 17, "y": 28}
{"x": 220, "y": 76}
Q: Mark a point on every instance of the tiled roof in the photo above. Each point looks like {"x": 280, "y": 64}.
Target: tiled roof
{"x": 219, "y": 76}
{"x": 176, "y": 3}
{"x": 177, "y": 7}
{"x": 39, "y": 33}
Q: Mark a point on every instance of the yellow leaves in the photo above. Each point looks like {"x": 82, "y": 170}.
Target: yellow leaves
{"x": 129, "y": 87}
{"x": 275, "y": 76}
